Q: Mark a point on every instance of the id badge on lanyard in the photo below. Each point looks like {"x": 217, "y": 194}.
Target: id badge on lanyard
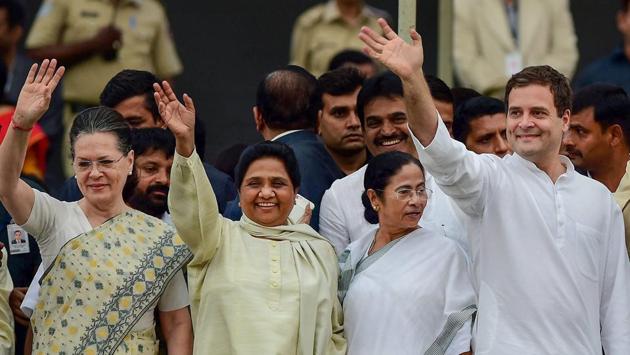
{"x": 18, "y": 239}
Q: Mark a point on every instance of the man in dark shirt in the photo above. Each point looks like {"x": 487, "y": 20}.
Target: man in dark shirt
{"x": 614, "y": 68}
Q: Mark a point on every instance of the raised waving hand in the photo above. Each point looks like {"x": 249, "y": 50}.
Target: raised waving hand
{"x": 179, "y": 118}
{"x": 36, "y": 93}
{"x": 400, "y": 57}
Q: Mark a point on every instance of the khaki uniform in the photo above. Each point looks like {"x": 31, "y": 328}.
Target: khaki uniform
{"x": 146, "y": 45}
{"x": 320, "y": 33}
{"x": 622, "y": 196}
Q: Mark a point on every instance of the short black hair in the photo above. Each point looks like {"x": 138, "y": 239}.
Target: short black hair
{"x": 129, "y": 83}
{"x": 349, "y": 56}
{"x": 285, "y": 98}
{"x": 228, "y": 158}
{"x": 625, "y": 4}
{"x": 461, "y": 95}
{"x": 610, "y": 104}
{"x": 386, "y": 84}
{"x": 543, "y": 75}
{"x": 471, "y": 110}
{"x": 157, "y": 139}
{"x": 342, "y": 81}
{"x": 378, "y": 174}
{"x": 15, "y": 13}
{"x": 438, "y": 88}
{"x": 268, "y": 149}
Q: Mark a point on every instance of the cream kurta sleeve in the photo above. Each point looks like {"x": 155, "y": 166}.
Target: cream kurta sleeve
{"x": 194, "y": 208}
{"x": 7, "y": 339}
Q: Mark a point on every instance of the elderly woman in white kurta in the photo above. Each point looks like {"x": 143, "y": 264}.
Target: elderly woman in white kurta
{"x": 405, "y": 289}
{"x": 261, "y": 285}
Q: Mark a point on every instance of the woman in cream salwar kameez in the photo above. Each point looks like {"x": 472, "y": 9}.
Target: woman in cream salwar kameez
{"x": 107, "y": 266}
{"x": 406, "y": 289}
{"x": 262, "y": 285}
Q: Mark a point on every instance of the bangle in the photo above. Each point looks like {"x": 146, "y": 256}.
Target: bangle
{"x": 20, "y": 128}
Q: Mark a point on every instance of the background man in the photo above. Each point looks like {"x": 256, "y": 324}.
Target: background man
{"x": 326, "y": 29}
{"x": 443, "y": 100}
{"x": 337, "y": 123}
{"x": 596, "y": 140}
{"x": 480, "y": 125}
{"x": 383, "y": 115}
{"x": 356, "y": 59}
{"x": 97, "y": 39}
{"x": 549, "y": 266}
{"x": 285, "y": 112}
{"x": 615, "y": 68}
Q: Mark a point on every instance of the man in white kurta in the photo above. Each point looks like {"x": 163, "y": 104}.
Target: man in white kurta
{"x": 549, "y": 262}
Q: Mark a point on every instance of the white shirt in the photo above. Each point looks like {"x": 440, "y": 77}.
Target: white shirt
{"x": 175, "y": 295}
{"x": 400, "y": 303}
{"x": 342, "y": 221}
{"x": 549, "y": 261}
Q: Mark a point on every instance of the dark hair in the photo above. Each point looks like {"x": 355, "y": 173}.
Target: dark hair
{"x": 101, "y": 119}
{"x": 386, "y": 84}
{"x": 228, "y": 158}
{"x": 338, "y": 82}
{"x": 285, "y": 98}
{"x": 461, "y": 95}
{"x": 543, "y": 75}
{"x": 610, "y": 104}
{"x": 624, "y": 5}
{"x": 438, "y": 88}
{"x": 147, "y": 139}
{"x": 268, "y": 149}
{"x": 129, "y": 83}
{"x": 471, "y": 110}
{"x": 378, "y": 174}
{"x": 15, "y": 13}
{"x": 349, "y": 56}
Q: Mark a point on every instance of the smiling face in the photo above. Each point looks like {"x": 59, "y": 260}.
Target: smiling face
{"x": 386, "y": 126}
{"x": 101, "y": 185}
{"x": 267, "y": 194}
{"x": 338, "y": 124}
{"x": 395, "y": 215}
{"x": 487, "y": 134}
{"x": 534, "y": 127}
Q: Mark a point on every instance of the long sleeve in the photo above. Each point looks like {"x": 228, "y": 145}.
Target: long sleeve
{"x": 563, "y": 53}
{"x": 7, "y": 340}
{"x": 331, "y": 226}
{"x": 462, "y": 175}
{"x": 299, "y": 43}
{"x": 615, "y": 290}
{"x": 194, "y": 208}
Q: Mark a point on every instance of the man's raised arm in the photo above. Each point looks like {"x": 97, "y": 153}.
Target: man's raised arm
{"x": 405, "y": 60}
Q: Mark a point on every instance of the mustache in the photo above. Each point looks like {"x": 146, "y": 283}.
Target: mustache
{"x": 399, "y": 135}
{"x": 570, "y": 150}
{"x": 157, "y": 188}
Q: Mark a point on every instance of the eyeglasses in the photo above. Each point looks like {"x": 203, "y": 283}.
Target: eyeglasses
{"x": 101, "y": 165}
{"x": 405, "y": 194}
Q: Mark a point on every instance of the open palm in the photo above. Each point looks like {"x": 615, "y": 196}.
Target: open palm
{"x": 400, "y": 57}
{"x": 37, "y": 91}
{"x": 179, "y": 118}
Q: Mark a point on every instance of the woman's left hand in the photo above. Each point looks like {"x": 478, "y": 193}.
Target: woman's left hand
{"x": 178, "y": 117}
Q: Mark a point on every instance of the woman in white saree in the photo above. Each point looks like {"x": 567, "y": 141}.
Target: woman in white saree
{"x": 405, "y": 289}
